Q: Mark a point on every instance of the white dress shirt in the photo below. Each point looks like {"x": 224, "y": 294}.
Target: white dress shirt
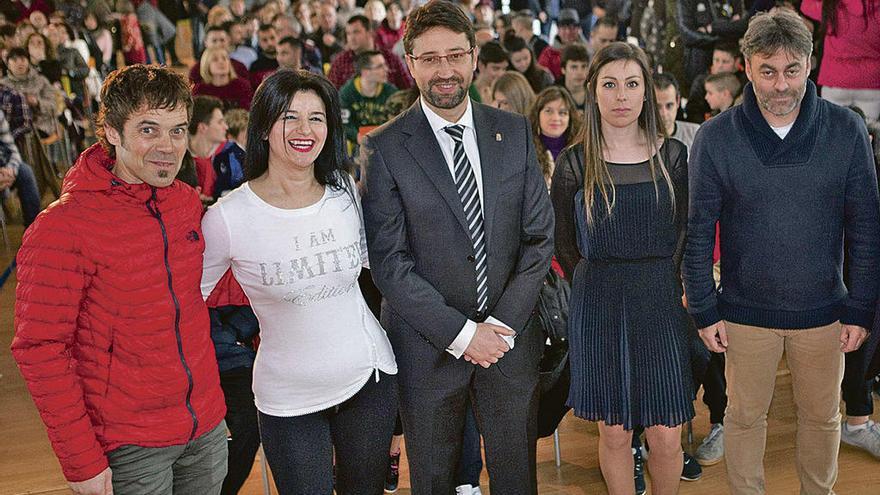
{"x": 472, "y": 150}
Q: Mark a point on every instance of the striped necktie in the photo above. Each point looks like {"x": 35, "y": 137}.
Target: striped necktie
{"x": 466, "y": 183}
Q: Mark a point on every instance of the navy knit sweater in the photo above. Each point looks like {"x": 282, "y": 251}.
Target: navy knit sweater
{"x": 784, "y": 207}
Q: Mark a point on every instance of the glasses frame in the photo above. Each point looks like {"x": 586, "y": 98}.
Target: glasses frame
{"x": 441, "y": 58}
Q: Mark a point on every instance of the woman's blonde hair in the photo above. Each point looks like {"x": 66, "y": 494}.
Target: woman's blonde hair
{"x": 205, "y": 64}
{"x": 597, "y": 175}
{"x": 516, "y": 88}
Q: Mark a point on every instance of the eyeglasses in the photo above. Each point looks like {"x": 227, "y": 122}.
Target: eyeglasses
{"x": 456, "y": 58}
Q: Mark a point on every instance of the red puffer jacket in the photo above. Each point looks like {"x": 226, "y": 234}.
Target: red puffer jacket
{"x": 111, "y": 333}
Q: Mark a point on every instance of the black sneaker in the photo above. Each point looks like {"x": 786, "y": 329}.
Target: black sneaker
{"x": 393, "y": 474}
{"x": 639, "y": 472}
{"x": 691, "y": 470}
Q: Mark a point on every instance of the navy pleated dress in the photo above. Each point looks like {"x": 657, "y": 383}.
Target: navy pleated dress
{"x": 628, "y": 331}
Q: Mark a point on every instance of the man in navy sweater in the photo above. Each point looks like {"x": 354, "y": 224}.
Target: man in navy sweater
{"x": 787, "y": 175}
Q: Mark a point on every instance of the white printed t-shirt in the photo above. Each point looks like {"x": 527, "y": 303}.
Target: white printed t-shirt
{"x": 319, "y": 342}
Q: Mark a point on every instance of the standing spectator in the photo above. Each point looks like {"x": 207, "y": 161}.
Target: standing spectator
{"x": 73, "y": 68}
{"x": 330, "y": 36}
{"x": 575, "y": 63}
{"x": 850, "y": 70}
{"x": 668, "y": 96}
{"x": 362, "y": 99}
{"x": 522, "y": 26}
{"x": 324, "y": 378}
{"x": 174, "y": 11}
{"x": 556, "y": 125}
{"x": 43, "y": 99}
{"x": 360, "y": 38}
{"x": 569, "y": 25}
{"x": 523, "y": 61}
{"x": 207, "y": 137}
{"x": 14, "y": 173}
{"x": 492, "y": 62}
{"x": 198, "y": 18}
{"x": 512, "y": 92}
{"x": 621, "y": 206}
{"x": 452, "y": 320}
{"x": 757, "y": 171}
{"x": 219, "y": 80}
{"x": 133, "y": 50}
{"x": 114, "y": 345}
{"x": 100, "y": 43}
{"x": 697, "y": 19}
{"x": 156, "y": 29}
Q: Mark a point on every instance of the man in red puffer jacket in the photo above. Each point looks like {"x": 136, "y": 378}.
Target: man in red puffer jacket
{"x": 111, "y": 333}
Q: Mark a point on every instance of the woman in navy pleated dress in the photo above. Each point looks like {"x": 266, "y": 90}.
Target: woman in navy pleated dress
{"x": 620, "y": 197}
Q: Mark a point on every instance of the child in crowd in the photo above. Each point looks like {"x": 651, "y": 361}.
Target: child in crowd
{"x": 722, "y": 91}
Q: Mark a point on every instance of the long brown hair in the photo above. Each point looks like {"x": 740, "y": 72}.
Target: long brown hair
{"x": 572, "y": 132}
{"x": 596, "y": 172}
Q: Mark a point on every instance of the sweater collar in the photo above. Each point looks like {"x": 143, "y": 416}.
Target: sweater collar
{"x": 797, "y": 146}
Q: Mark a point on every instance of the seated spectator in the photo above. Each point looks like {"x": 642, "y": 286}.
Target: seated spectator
{"x": 23, "y": 10}
{"x": 218, "y": 15}
{"x": 575, "y": 61}
{"x": 266, "y": 61}
{"x": 359, "y": 38}
{"x": 207, "y": 137}
{"x": 289, "y": 54}
{"x": 15, "y": 174}
{"x": 286, "y": 25}
{"x": 242, "y": 51}
{"x": 722, "y": 91}
{"x": 492, "y": 61}
{"x": 42, "y": 98}
{"x": 556, "y": 124}
{"x": 302, "y": 11}
{"x": 218, "y": 37}
{"x": 18, "y": 113}
{"x": 39, "y": 20}
{"x": 229, "y": 162}
{"x": 483, "y": 33}
{"x": 22, "y": 31}
{"x": 329, "y": 38}
{"x": 391, "y": 28}
{"x": 362, "y": 99}
{"x": 375, "y": 11}
{"x": 219, "y": 80}
{"x": 523, "y": 61}
{"x": 513, "y": 93}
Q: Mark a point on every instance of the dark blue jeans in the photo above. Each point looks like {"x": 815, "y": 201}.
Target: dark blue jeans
{"x": 300, "y": 448}
{"x": 470, "y": 465}
{"x": 25, "y": 186}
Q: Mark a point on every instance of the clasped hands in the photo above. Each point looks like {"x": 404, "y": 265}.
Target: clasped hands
{"x": 487, "y": 346}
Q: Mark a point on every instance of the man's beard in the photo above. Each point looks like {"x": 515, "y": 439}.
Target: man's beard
{"x": 768, "y": 102}
{"x": 445, "y": 101}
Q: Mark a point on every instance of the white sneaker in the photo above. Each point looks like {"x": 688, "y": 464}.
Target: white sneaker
{"x": 867, "y": 439}
{"x": 465, "y": 490}
{"x": 711, "y": 451}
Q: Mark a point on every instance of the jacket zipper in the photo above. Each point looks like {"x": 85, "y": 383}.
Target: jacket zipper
{"x": 153, "y": 208}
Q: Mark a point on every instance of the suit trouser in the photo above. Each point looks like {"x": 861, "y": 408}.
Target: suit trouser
{"x": 816, "y": 366}
{"x": 505, "y": 404}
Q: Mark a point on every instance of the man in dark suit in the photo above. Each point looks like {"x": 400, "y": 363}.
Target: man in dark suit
{"x": 459, "y": 227}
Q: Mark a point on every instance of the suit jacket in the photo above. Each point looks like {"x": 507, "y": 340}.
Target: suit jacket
{"x": 421, "y": 254}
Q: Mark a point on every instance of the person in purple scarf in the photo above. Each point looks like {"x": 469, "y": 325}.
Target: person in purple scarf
{"x": 556, "y": 123}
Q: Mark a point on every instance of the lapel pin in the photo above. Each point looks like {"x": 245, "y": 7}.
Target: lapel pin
{"x": 498, "y": 136}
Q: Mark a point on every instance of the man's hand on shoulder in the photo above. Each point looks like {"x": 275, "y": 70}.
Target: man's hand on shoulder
{"x": 487, "y": 347}
{"x": 852, "y": 337}
{"x": 99, "y": 485}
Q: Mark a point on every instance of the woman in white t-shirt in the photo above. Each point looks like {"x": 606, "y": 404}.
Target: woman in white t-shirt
{"x": 293, "y": 236}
